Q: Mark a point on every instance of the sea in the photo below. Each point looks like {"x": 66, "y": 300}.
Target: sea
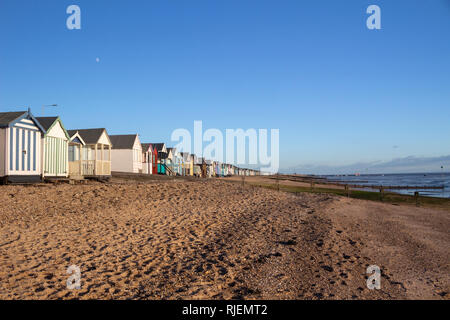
{"x": 409, "y": 179}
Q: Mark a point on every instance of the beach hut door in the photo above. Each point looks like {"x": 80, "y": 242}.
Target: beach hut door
{"x": 55, "y": 157}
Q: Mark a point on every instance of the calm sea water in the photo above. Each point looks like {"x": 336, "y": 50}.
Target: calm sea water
{"x": 411, "y": 179}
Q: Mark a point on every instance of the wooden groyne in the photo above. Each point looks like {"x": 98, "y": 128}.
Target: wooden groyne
{"x": 324, "y": 181}
{"x": 360, "y": 186}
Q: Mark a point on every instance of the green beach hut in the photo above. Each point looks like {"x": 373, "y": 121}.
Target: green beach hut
{"x": 55, "y": 148}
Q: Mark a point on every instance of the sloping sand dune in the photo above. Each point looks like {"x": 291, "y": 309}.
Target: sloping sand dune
{"x": 211, "y": 239}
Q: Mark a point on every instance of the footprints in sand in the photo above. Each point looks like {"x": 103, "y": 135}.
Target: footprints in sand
{"x": 290, "y": 242}
{"x": 327, "y": 268}
{"x": 173, "y": 240}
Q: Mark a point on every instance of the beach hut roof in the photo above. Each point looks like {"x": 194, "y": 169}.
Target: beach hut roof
{"x": 185, "y": 155}
{"x": 159, "y": 146}
{"x": 125, "y": 141}
{"x": 147, "y": 146}
{"x": 48, "y": 122}
{"x": 72, "y": 132}
{"x": 90, "y": 136}
{"x": 75, "y": 136}
{"x": 9, "y": 118}
{"x": 174, "y": 151}
{"x": 163, "y": 155}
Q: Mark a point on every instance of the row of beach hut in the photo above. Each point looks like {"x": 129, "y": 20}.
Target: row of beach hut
{"x": 33, "y": 149}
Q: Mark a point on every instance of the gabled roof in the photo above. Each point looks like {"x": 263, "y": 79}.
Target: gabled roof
{"x": 48, "y": 122}
{"x": 158, "y": 146}
{"x": 163, "y": 155}
{"x": 175, "y": 152}
{"x": 185, "y": 156}
{"x": 90, "y": 136}
{"x": 73, "y": 134}
{"x": 147, "y": 146}
{"x": 9, "y": 118}
{"x": 124, "y": 141}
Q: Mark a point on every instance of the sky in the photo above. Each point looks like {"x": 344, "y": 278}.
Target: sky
{"x": 343, "y": 97}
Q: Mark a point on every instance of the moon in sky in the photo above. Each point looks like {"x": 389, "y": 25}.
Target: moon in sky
{"x": 97, "y": 59}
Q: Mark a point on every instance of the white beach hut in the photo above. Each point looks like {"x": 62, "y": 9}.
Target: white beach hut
{"x": 126, "y": 153}
{"x": 147, "y": 158}
{"x": 20, "y": 147}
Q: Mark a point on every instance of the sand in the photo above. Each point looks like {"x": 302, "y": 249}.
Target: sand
{"x": 212, "y": 239}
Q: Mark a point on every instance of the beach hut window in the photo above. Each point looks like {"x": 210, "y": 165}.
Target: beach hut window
{"x": 73, "y": 153}
{"x": 105, "y": 153}
{"x": 87, "y": 153}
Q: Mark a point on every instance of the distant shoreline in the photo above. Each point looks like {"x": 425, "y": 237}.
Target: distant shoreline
{"x": 383, "y": 174}
{"x": 303, "y": 183}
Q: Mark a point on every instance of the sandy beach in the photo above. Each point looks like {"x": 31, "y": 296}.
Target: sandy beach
{"x": 214, "y": 239}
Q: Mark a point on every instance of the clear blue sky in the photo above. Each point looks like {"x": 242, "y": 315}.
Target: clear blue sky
{"x": 339, "y": 93}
